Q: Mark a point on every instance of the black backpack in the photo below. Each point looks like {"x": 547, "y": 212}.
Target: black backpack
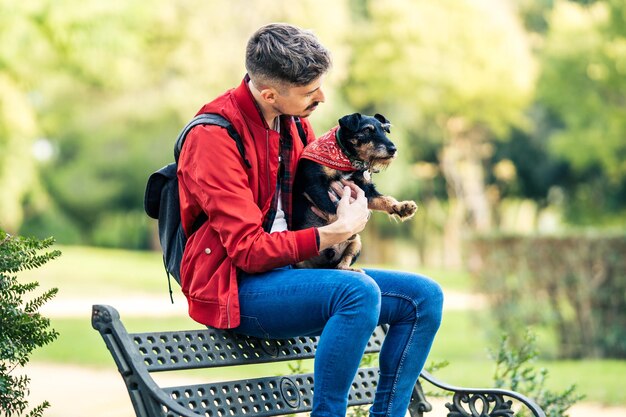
{"x": 161, "y": 200}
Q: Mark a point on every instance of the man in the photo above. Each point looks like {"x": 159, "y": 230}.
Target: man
{"x": 236, "y": 270}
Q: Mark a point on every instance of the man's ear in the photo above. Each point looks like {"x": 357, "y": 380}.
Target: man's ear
{"x": 351, "y": 122}
{"x": 383, "y": 120}
{"x": 268, "y": 95}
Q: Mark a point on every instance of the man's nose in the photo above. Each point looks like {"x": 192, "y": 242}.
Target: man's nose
{"x": 320, "y": 96}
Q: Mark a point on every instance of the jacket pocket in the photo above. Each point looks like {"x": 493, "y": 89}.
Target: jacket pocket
{"x": 203, "y": 257}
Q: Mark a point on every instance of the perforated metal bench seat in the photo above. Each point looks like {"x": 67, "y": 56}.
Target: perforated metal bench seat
{"x": 137, "y": 355}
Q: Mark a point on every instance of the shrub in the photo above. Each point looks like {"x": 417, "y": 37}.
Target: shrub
{"x": 515, "y": 371}
{"x": 22, "y": 328}
{"x": 575, "y": 284}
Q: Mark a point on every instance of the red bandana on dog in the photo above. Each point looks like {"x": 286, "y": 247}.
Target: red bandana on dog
{"x": 325, "y": 151}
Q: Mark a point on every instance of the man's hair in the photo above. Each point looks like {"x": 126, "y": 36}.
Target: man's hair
{"x": 279, "y": 54}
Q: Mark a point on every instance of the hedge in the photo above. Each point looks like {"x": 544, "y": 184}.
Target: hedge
{"x": 574, "y": 283}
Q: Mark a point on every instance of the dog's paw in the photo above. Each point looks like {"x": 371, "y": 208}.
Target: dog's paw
{"x": 346, "y": 264}
{"x": 404, "y": 209}
{"x": 349, "y": 268}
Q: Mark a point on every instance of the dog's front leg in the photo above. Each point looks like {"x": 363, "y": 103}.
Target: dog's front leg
{"x": 404, "y": 210}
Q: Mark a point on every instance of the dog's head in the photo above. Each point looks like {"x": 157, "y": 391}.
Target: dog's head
{"x": 364, "y": 138}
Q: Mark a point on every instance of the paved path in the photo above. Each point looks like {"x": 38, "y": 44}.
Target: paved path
{"x": 75, "y": 391}
{"x": 80, "y": 392}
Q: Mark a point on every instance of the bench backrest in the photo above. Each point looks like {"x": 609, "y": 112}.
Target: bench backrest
{"x": 139, "y": 354}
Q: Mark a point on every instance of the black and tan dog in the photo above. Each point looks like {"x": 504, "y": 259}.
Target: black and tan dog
{"x": 352, "y": 151}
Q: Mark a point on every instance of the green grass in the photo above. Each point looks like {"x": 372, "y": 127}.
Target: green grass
{"x": 463, "y": 340}
{"x": 78, "y": 343}
{"x": 85, "y": 270}
{"x": 451, "y": 280}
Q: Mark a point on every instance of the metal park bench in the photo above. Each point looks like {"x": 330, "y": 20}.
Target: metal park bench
{"x": 137, "y": 355}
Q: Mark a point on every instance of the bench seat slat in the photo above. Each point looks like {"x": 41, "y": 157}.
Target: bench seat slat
{"x": 210, "y": 348}
{"x": 264, "y": 397}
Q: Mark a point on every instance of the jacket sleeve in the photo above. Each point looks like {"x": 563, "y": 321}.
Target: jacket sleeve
{"x": 211, "y": 170}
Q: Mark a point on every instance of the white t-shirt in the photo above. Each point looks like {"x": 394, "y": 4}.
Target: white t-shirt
{"x": 280, "y": 223}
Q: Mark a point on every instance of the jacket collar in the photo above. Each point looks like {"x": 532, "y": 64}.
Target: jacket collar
{"x": 248, "y": 105}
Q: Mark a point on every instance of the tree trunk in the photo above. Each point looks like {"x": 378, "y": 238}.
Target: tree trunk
{"x": 461, "y": 161}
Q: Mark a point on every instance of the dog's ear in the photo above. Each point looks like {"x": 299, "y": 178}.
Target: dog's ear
{"x": 381, "y": 118}
{"x": 383, "y": 121}
{"x": 350, "y": 122}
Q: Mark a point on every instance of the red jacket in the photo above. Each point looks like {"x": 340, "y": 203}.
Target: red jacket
{"x": 213, "y": 178}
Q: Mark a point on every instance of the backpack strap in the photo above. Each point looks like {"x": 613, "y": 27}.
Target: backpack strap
{"x": 210, "y": 119}
{"x": 300, "y": 130}
{"x": 216, "y": 119}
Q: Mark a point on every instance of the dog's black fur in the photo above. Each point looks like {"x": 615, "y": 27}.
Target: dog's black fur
{"x": 365, "y": 142}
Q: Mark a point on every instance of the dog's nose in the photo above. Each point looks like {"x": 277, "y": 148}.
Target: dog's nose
{"x": 392, "y": 150}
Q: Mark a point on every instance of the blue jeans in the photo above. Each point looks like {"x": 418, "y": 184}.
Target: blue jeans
{"x": 344, "y": 308}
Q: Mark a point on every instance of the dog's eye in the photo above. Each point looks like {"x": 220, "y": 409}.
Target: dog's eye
{"x": 369, "y": 128}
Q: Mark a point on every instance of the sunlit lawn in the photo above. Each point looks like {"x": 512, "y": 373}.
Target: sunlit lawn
{"x": 84, "y": 270}
{"x": 462, "y": 340}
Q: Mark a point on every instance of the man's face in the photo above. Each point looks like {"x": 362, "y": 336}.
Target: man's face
{"x": 300, "y": 101}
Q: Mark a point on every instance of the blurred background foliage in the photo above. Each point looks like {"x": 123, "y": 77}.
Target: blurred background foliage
{"x": 510, "y": 115}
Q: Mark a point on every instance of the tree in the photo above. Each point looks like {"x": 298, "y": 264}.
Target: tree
{"x": 455, "y": 75}
{"x": 18, "y": 124}
{"x": 114, "y": 84}
{"x": 22, "y": 327}
{"x": 50, "y": 57}
{"x": 583, "y": 84}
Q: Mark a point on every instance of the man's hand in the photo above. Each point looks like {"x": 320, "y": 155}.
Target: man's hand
{"x": 352, "y": 216}
{"x": 335, "y": 191}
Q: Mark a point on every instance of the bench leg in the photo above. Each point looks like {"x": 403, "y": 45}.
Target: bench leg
{"x": 419, "y": 405}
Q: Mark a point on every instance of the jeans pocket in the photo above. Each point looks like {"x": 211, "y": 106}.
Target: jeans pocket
{"x": 250, "y": 326}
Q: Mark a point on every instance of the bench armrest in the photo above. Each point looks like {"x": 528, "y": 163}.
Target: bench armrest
{"x": 478, "y": 402}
